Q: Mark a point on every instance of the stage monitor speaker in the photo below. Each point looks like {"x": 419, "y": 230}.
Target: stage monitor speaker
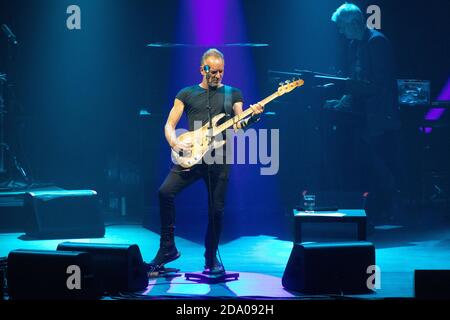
{"x": 63, "y": 214}
{"x": 119, "y": 267}
{"x": 42, "y": 274}
{"x": 329, "y": 268}
{"x": 432, "y": 284}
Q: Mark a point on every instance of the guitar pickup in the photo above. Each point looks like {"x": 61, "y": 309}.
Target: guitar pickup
{"x": 184, "y": 153}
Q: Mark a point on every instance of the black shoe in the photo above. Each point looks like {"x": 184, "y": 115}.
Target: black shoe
{"x": 165, "y": 255}
{"x": 213, "y": 267}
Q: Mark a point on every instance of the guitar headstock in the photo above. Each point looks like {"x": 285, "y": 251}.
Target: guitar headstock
{"x": 289, "y": 85}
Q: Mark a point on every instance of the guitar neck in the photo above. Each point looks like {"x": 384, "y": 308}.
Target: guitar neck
{"x": 229, "y": 123}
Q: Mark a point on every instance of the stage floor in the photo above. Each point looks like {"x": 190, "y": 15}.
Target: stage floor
{"x": 261, "y": 261}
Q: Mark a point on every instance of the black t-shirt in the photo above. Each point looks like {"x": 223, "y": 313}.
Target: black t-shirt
{"x": 195, "y": 100}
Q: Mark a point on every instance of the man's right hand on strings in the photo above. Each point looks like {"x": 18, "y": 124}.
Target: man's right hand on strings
{"x": 183, "y": 148}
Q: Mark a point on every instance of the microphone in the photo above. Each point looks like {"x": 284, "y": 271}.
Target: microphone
{"x": 206, "y": 68}
{"x": 9, "y": 34}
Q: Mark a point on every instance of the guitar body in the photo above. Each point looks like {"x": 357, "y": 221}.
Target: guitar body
{"x": 200, "y": 144}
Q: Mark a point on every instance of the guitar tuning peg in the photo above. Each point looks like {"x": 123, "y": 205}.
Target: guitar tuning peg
{"x": 281, "y": 84}
{"x": 287, "y": 82}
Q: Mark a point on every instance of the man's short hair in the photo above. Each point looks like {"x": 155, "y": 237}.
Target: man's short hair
{"x": 212, "y": 52}
{"x": 347, "y": 13}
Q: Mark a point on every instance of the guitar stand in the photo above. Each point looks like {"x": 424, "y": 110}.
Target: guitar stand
{"x": 208, "y": 278}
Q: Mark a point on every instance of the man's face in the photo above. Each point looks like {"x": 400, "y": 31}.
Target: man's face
{"x": 349, "y": 29}
{"x": 216, "y": 68}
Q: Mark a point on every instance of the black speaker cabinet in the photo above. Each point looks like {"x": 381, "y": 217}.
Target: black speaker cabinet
{"x": 432, "y": 284}
{"x": 119, "y": 267}
{"x": 63, "y": 214}
{"x": 330, "y": 268}
{"x": 42, "y": 274}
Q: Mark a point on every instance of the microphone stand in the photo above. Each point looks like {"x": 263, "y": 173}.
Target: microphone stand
{"x": 4, "y": 147}
{"x": 208, "y": 106}
{"x": 207, "y": 277}
{"x": 210, "y": 143}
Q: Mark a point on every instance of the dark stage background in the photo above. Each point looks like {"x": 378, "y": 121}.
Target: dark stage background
{"x": 75, "y": 118}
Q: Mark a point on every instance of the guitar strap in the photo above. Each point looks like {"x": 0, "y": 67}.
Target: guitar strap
{"x": 227, "y": 102}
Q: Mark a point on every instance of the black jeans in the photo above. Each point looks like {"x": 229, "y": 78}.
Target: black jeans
{"x": 384, "y": 172}
{"x": 178, "y": 179}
